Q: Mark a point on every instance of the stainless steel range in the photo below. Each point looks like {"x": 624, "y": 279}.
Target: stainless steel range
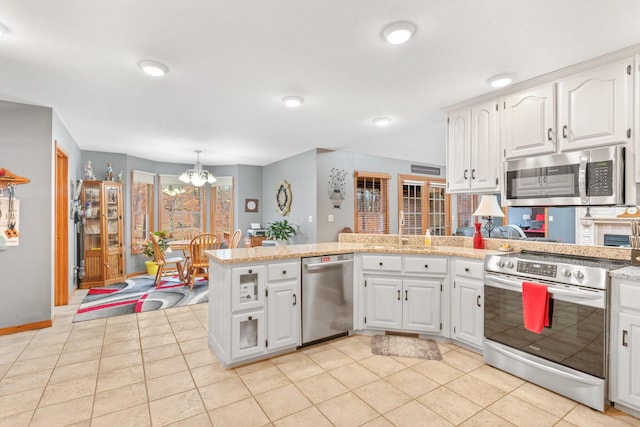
{"x": 570, "y": 355}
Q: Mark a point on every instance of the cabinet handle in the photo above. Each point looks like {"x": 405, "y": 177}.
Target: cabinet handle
{"x": 398, "y": 294}
{"x": 380, "y": 264}
{"x": 466, "y": 269}
{"x": 550, "y": 134}
{"x": 284, "y": 272}
{"x": 250, "y": 271}
{"x": 564, "y": 131}
{"x": 478, "y": 301}
{"x": 295, "y": 299}
{"x": 473, "y": 174}
{"x": 466, "y": 174}
{"x": 406, "y": 295}
{"x": 624, "y": 338}
{"x": 426, "y": 266}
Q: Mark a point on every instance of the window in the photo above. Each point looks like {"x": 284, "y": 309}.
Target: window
{"x": 466, "y": 205}
{"x": 222, "y": 207}
{"x": 372, "y": 202}
{"x": 180, "y": 206}
{"x": 425, "y": 205}
{"x": 142, "y": 190}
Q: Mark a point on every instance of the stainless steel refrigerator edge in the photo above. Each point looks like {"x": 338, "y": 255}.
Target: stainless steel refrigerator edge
{"x": 327, "y": 297}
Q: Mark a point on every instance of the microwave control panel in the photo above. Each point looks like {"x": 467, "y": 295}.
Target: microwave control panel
{"x": 600, "y": 178}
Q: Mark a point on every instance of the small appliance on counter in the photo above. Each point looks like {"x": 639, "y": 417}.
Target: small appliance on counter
{"x": 256, "y": 230}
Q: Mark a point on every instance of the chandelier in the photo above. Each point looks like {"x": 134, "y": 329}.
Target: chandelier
{"x": 197, "y": 176}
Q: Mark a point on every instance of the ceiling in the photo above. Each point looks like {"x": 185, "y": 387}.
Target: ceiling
{"x": 231, "y": 63}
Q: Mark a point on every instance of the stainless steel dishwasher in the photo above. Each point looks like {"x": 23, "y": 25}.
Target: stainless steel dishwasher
{"x": 327, "y": 297}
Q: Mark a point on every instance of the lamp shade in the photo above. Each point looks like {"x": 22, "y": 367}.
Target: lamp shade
{"x": 526, "y": 217}
{"x": 489, "y": 207}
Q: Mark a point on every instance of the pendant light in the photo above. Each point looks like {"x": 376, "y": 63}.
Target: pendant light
{"x": 197, "y": 176}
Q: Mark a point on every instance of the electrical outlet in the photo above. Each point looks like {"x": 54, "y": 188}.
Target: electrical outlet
{"x": 310, "y": 218}
{"x": 550, "y": 218}
{"x": 330, "y": 218}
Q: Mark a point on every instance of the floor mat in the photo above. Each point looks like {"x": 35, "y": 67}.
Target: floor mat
{"x": 393, "y": 345}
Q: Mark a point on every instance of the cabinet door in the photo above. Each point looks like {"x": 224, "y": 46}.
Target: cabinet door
{"x": 485, "y": 147}
{"x": 458, "y": 153}
{"x": 92, "y": 233}
{"x": 384, "y": 303}
{"x": 247, "y": 287}
{"x": 283, "y": 315}
{"x": 628, "y": 356}
{"x": 594, "y": 107}
{"x": 529, "y": 126}
{"x": 247, "y": 334}
{"x": 467, "y": 311}
{"x": 113, "y": 225}
{"x": 421, "y": 305}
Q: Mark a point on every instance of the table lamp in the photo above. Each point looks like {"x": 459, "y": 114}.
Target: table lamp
{"x": 526, "y": 218}
{"x": 488, "y": 209}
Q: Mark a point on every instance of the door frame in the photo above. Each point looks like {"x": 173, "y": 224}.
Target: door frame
{"x": 61, "y": 228}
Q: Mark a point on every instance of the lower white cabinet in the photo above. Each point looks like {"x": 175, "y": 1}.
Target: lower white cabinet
{"x": 467, "y": 300}
{"x": 625, "y": 345}
{"x": 247, "y": 332}
{"x": 411, "y": 305}
{"x": 283, "y": 308}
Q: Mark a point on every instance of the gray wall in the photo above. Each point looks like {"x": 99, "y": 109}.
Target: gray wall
{"x": 300, "y": 172}
{"x": 26, "y": 149}
{"x": 248, "y": 185}
{"x": 563, "y": 226}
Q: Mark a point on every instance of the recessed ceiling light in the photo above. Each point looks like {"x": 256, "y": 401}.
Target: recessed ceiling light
{"x": 3, "y": 29}
{"x": 500, "y": 80}
{"x": 292, "y": 101}
{"x": 382, "y": 121}
{"x": 153, "y": 68}
{"x": 399, "y": 32}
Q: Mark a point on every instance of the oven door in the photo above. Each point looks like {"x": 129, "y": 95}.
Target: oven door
{"x": 576, "y": 337}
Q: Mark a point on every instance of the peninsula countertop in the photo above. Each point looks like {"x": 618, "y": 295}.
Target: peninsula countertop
{"x": 271, "y": 253}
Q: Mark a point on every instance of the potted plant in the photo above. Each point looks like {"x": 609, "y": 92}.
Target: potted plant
{"x": 280, "y": 231}
{"x": 146, "y": 247}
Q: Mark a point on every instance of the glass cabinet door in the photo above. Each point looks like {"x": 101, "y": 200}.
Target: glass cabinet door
{"x": 92, "y": 232}
{"x": 248, "y": 288}
{"x": 247, "y": 334}
{"x": 112, "y": 194}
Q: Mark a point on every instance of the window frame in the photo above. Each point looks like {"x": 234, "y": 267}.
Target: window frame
{"x": 173, "y": 180}
{"x": 384, "y": 197}
{"x": 221, "y": 182}
{"x": 426, "y": 183}
{"x": 149, "y": 222}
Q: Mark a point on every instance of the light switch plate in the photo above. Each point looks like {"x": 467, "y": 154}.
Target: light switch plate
{"x": 330, "y": 218}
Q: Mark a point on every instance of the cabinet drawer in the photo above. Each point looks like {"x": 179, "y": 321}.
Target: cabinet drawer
{"x": 472, "y": 269}
{"x": 283, "y": 271}
{"x": 425, "y": 265}
{"x": 381, "y": 263}
{"x": 630, "y": 296}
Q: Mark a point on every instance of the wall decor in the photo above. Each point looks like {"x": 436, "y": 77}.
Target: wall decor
{"x": 336, "y": 186}
{"x": 283, "y": 197}
{"x": 251, "y": 205}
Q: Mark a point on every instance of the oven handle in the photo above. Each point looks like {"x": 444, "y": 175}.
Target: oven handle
{"x": 517, "y": 286}
{"x": 545, "y": 367}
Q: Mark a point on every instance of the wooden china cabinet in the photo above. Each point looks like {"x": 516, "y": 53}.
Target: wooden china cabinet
{"x": 103, "y": 233}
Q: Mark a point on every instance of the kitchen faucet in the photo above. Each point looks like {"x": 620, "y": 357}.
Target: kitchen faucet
{"x": 400, "y": 227}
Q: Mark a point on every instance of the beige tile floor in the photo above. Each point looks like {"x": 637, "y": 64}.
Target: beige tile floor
{"x": 156, "y": 369}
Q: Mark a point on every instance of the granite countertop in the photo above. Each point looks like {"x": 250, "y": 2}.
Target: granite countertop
{"x": 270, "y": 253}
{"x": 629, "y": 272}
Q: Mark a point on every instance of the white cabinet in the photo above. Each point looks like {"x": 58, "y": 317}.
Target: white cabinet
{"x": 625, "y": 345}
{"x": 528, "y": 124}
{"x": 473, "y": 150}
{"x": 467, "y": 300}
{"x": 403, "y": 293}
{"x": 594, "y": 106}
{"x": 254, "y": 310}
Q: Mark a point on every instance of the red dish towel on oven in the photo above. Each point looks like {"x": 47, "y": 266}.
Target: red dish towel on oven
{"x": 535, "y": 306}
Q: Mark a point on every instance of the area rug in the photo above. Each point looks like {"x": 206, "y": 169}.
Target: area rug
{"x": 138, "y": 294}
{"x": 393, "y": 345}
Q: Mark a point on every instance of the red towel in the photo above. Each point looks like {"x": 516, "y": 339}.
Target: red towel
{"x": 535, "y": 306}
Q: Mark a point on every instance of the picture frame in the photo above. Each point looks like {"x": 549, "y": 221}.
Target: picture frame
{"x": 251, "y": 205}
{"x": 283, "y": 198}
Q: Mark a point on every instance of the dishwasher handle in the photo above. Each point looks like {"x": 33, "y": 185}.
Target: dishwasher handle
{"x": 327, "y": 264}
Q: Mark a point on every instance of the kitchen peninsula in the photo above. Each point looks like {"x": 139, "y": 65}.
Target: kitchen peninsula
{"x": 254, "y": 309}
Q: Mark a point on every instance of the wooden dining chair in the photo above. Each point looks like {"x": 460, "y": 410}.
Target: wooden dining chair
{"x": 165, "y": 264}
{"x": 235, "y": 239}
{"x": 188, "y": 235}
{"x": 198, "y": 264}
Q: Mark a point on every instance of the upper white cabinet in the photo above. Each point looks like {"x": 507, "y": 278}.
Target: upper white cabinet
{"x": 528, "y": 122}
{"x": 594, "y": 107}
{"x": 473, "y": 149}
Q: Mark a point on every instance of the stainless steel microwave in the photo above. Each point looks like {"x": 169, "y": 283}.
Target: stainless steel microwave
{"x": 593, "y": 177}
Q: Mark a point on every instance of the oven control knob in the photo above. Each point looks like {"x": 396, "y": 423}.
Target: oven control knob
{"x": 578, "y": 274}
{"x": 501, "y": 263}
{"x": 566, "y": 272}
{"x": 510, "y": 264}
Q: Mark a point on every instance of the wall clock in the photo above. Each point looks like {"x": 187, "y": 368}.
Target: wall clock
{"x": 283, "y": 197}
{"x": 251, "y": 205}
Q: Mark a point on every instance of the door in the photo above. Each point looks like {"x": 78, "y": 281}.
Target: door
{"x": 628, "y": 356}
{"x": 458, "y": 153}
{"x": 283, "y": 315}
{"x": 247, "y": 334}
{"x": 529, "y": 125}
{"x": 594, "y": 107}
{"x": 467, "y": 311}
{"x": 384, "y": 303}
{"x": 61, "y": 282}
{"x": 485, "y": 147}
{"x": 421, "y": 305}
